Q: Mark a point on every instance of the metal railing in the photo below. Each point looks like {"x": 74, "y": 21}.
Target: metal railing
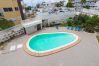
{"x": 11, "y": 33}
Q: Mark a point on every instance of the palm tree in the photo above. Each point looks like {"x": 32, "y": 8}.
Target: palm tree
{"x": 69, "y": 4}
{"x": 59, "y": 4}
{"x": 83, "y": 2}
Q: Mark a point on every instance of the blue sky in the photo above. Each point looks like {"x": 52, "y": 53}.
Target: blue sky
{"x": 34, "y": 2}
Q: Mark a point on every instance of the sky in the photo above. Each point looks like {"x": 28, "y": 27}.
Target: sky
{"x": 34, "y": 2}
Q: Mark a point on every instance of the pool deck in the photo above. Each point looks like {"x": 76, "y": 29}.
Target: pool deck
{"x": 86, "y": 53}
{"x": 38, "y": 54}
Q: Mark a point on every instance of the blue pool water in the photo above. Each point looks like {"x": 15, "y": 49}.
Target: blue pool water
{"x": 45, "y": 42}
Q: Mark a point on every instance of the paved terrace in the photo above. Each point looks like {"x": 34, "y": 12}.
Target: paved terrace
{"x": 86, "y": 53}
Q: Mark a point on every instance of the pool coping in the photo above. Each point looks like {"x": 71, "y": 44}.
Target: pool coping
{"x": 38, "y": 54}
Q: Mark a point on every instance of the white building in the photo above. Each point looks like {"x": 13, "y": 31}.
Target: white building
{"x": 56, "y": 16}
{"x": 90, "y": 11}
{"x": 32, "y": 25}
{"x": 97, "y": 5}
{"x": 78, "y": 5}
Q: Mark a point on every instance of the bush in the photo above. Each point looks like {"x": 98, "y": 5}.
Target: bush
{"x": 87, "y": 7}
{"x": 70, "y": 5}
{"x": 84, "y": 21}
{"x": 4, "y": 24}
{"x": 59, "y": 4}
{"x": 63, "y": 24}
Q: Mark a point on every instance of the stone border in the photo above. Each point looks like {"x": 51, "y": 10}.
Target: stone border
{"x": 50, "y": 52}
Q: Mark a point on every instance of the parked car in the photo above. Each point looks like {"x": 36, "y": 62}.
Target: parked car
{"x": 61, "y": 11}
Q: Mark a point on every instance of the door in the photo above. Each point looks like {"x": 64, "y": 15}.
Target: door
{"x": 39, "y": 27}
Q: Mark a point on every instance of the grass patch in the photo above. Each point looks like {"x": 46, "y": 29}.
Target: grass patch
{"x": 4, "y": 24}
{"x": 97, "y": 30}
{"x": 97, "y": 38}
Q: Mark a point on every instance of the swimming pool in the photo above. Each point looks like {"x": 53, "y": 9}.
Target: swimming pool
{"x": 49, "y": 43}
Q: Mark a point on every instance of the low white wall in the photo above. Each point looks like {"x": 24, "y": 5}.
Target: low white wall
{"x": 31, "y": 29}
{"x": 91, "y": 11}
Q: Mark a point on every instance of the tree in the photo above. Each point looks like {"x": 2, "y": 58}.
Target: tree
{"x": 28, "y": 8}
{"x": 80, "y": 19}
{"x": 59, "y": 4}
{"x": 70, "y": 22}
{"x": 4, "y": 24}
{"x": 87, "y": 7}
{"x": 83, "y": 2}
{"x": 95, "y": 19}
{"x": 88, "y": 23}
{"x": 69, "y": 4}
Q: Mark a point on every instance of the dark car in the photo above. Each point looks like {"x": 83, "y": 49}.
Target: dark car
{"x": 61, "y": 11}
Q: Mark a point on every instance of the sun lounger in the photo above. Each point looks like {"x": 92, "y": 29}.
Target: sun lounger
{"x": 19, "y": 46}
{"x": 13, "y": 48}
{"x": 72, "y": 28}
{"x": 68, "y": 27}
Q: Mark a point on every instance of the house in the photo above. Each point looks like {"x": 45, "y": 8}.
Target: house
{"x": 11, "y": 10}
{"x": 32, "y": 25}
{"x": 78, "y": 4}
{"x": 97, "y": 5}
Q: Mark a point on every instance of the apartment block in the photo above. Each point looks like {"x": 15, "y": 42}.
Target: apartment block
{"x": 11, "y": 10}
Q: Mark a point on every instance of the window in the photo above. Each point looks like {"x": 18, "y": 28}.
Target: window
{"x": 7, "y": 9}
{"x": 10, "y": 9}
{"x": 16, "y": 8}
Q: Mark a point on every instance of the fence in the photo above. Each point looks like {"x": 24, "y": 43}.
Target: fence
{"x": 11, "y": 33}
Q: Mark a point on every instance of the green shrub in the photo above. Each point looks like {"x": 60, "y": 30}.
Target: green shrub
{"x": 70, "y": 5}
{"x": 59, "y": 4}
{"x": 88, "y": 23}
{"x": 63, "y": 24}
{"x": 4, "y": 24}
{"x": 87, "y": 7}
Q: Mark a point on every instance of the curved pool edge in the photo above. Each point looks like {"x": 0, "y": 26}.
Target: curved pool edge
{"x": 26, "y": 49}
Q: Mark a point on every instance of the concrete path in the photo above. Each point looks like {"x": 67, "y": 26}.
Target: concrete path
{"x": 86, "y": 53}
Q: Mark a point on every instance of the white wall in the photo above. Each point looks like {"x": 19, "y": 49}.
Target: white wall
{"x": 91, "y": 11}
{"x": 54, "y": 17}
{"x": 97, "y": 5}
{"x": 31, "y": 29}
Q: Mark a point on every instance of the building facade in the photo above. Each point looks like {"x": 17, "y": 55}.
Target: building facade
{"x": 97, "y": 5}
{"x": 11, "y": 10}
{"x": 89, "y": 3}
